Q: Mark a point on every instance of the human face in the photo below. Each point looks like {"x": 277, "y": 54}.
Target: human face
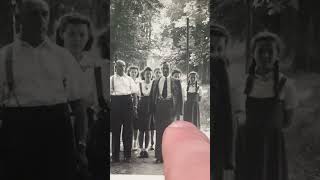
{"x": 176, "y": 76}
{"x": 147, "y": 75}
{"x": 192, "y": 78}
{"x": 35, "y": 18}
{"x": 265, "y": 54}
{"x": 133, "y": 73}
{"x": 218, "y": 47}
{"x": 75, "y": 37}
{"x": 120, "y": 68}
{"x": 165, "y": 70}
{"x": 158, "y": 74}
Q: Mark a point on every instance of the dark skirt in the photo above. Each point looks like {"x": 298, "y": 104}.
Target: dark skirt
{"x": 260, "y": 145}
{"x": 192, "y": 110}
{"x": 38, "y": 143}
{"x": 144, "y": 116}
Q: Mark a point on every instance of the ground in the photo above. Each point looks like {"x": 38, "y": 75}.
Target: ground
{"x": 140, "y": 166}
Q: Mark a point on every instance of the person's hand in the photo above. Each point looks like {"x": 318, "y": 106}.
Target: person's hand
{"x": 186, "y": 152}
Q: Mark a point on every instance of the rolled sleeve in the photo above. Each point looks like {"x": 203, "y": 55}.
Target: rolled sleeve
{"x": 290, "y": 95}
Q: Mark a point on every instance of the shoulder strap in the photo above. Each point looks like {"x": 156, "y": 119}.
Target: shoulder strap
{"x": 282, "y": 82}
{"x": 140, "y": 84}
{"x": 197, "y": 87}
{"x": 112, "y": 81}
{"x": 9, "y": 68}
{"x": 188, "y": 86}
{"x": 98, "y": 74}
{"x": 249, "y": 84}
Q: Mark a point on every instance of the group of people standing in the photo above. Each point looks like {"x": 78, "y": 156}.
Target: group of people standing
{"x": 142, "y": 106}
{"x": 248, "y": 125}
{"x": 50, "y": 96}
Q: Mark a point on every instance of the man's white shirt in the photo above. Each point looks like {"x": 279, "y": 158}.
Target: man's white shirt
{"x": 40, "y": 74}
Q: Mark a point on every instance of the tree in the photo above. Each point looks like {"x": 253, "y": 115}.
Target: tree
{"x": 197, "y": 12}
{"x": 131, "y": 29}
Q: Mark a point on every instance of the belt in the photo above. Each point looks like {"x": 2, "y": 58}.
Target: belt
{"x": 164, "y": 99}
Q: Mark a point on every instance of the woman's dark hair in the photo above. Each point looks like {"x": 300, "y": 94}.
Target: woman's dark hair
{"x": 270, "y": 37}
{"x": 104, "y": 44}
{"x": 74, "y": 18}
{"x": 131, "y": 68}
{"x": 145, "y": 69}
{"x": 175, "y": 71}
{"x": 218, "y": 30}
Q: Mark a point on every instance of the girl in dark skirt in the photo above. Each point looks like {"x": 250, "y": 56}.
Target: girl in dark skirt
{"x": 157, "y": 74}
{"x": 144, "y": 114}
{"x": 194, "y": 93}
{"x": 133, "y": 72}
{"x": 270, "y": 103}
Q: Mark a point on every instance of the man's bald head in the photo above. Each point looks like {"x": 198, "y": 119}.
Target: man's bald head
{"x": 30, "y": 4}
{"x": 120, "y": 67}
{"x": 34, "y": 18}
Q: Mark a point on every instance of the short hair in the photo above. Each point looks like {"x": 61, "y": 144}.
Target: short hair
{"x": 131, "y": 68}
{"x": 156, "y": 69}
{"x": 145, "y": 69}
{"x": 165, "y": 63}
{"x": 175, "y": 71}
{"x": 25, "y": 4}
{"x": 266, "y": 36}
{"x": 103, "y": 43}
{"x": 217, "y": 30}
{"x": 74, "y": 18}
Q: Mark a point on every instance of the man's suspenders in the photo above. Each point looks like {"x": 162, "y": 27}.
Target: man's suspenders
{"x": 9, "y": 74}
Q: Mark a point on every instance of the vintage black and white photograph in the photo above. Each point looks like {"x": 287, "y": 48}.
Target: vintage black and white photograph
{"x": 160, "y": 55}
{"x": 54, "y": 87}
{"x": 265, "y": 54}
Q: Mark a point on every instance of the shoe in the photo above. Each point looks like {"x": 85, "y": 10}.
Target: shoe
{"x": 115, "y": 160}
{"x": 157, "y": 161}
{"x": 141, "y": 154}
{"x": 146, "y": 154}
{"x": 151, "y": 148}
{"x": 127, "y": 160}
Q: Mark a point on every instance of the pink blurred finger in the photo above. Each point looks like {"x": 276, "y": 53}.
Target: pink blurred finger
{"x": 186, "y": 152}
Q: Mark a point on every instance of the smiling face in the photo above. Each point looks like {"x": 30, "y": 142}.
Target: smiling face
{"x": 176, "y": 76}
{"x": 75, "y": 37}
{"x": 158, "y": 74}
{"x": 192, "y": 78}
{"x": 265, "y": 54}
{"x": 147, "y": 75}
{"x": 133, "y": 73}
{"x": 218, "y": 46}
{"x": 165, "y": 70}
{"x": 120, "y": 67}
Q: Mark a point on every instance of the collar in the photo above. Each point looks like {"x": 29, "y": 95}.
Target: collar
{"x": 46, "y": 43}
{"x": 264, "y": 77}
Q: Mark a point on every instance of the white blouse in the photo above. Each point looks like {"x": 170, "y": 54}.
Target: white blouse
{"x": 146, "y": 88}
{"x": 263, "y": 88}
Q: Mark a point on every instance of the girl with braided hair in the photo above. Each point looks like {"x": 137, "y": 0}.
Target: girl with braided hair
{"x": 270, "y": 103}
{"x": 194, "y": 93}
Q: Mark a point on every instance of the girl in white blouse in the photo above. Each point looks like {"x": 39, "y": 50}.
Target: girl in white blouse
{"x": 270, "y": 103}
{"x": 144, "y": 113}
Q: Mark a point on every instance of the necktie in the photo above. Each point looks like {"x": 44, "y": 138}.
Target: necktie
{"x": 164, "y": 90}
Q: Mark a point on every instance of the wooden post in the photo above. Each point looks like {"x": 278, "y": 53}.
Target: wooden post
{"x": 188, "y": 56}
{"x": 249, "y": 33}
